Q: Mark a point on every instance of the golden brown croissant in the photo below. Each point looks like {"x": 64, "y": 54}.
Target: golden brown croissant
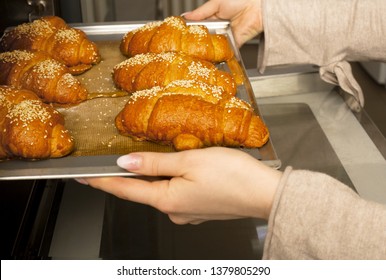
{"x": 191, "y": 117}
{"x": 52, "y": 35}
{"x": 173, "y": 34}
{"x": 37, "y": 72}
{"x": 30, "y": 128}
{"x": 145, "y": 71}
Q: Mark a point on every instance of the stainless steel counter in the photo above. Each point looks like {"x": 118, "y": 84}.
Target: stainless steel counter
{"x": 311, "y": 128}
{"x": 357, "y": 142}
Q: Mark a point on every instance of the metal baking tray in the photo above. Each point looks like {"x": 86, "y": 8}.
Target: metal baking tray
{"x": 101, "y": 165}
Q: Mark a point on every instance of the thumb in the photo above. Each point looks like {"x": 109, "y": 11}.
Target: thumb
{"x": 205, "y": 11}
{"x": 152, "y": 164}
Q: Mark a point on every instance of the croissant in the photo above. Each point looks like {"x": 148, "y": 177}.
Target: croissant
{"x": 145, "y": 71}
{"x": 29, "y": 128}
{"x": 38, "y": 72}
{"x": 190, "y": 118}
{"x": 173, "y": 34}
{"x": 52, "y": 35}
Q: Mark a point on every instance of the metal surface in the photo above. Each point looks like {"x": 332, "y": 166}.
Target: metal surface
{"x": 39, "y": 9}
{"x": 356, "y": 140}
{"x": 301, "y": 141}
{"x": 68, "y": 167}
{"x": 105, "y": 165}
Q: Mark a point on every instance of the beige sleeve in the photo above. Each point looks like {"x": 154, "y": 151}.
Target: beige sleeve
{"x": 327, "y": 33}
{"x": 315, "y": 216}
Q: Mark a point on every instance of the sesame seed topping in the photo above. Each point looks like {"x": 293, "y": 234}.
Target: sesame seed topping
{"x": 4, "y": 91}
{"x": 33, "y": 29}
{"x": 28, "y": 111}
{"x": 175, "y": 22}
{"x": 69, "y": 80}
{"x": 205, "y": 91}
{"x": 210, "y": 91}
{"x": 49, "y": 68}
{"x": 235, "y": 102}
{"x": 199, "y": 30}
{"x": 146, "y": 58}
{"x": 146, "y": 27}
{"x": 16, "y": 56}
{"x": 146, "y": 93}
{"x": 67, "y": 35}
{"x": 196, "y": 68}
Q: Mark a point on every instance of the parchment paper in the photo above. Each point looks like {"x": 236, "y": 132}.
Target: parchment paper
{"x": 91, "y": 123}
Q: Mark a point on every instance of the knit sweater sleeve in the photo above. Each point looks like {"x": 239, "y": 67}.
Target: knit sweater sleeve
{"x": 315, "y": 216}
{"x": 326, "y": 33}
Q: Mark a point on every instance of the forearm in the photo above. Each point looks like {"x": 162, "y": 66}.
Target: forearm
{"x": 322, "y": 32}
{"x": 316, "y": 217}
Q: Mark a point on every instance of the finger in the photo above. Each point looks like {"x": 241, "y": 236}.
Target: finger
{"x": 186, "y": 218}
{"x": 246, "y": 28}
{"x": 154, "y": 164}
{"x": 240, "y": 39}
{"x": 206, "y": 11}
{"x": 133, "y": 189}
{"x": 183, "y": 220}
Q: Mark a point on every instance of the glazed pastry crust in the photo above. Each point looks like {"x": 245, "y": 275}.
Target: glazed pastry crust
{"x": 173, "y": 34}
{"x": 189, "y": 115}
{"x": 38, "y": 72}
{"x": 29, "y": 128}
{"x": 145, "y": 71}
{"x": 52, "y": 35}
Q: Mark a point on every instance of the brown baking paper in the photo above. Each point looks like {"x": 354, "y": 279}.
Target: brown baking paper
{"x": 91, "y": 123}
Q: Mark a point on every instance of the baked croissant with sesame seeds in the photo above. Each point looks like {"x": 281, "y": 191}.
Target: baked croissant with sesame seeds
{"x": 52, "y": 35}
{"x": 29, "y": 128}
{"x": 38, "y": 72}
{"x": 173, "y": 34}
{"x": 189, "y": 115}
{"x": 145, "y": 71}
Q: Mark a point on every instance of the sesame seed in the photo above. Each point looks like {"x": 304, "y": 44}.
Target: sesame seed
{"x": 16, "y": 56}
{"x": 33, "y": 29}
{"x": 199, "y": 30}
{"x": 48, "y": 69}
{"x": 196, "y": 68}
{"x": 4, "y": 90}
{"x": 175, "y": 22}
{"x": 146, "y": 58}
{"x": 172, "y": 21}
{"x": 67, "y": 35}
{"x": 235, "y": 102}
{"x": 148, "y": 26}
{"x": 205, "y": 91}
{"x": 69, "y": 80}
{"x": 28, "y": 111}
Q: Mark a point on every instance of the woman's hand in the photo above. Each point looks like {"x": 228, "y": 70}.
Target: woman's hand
{"x": 205, "y": 184}
{"x": 245, "y": 16}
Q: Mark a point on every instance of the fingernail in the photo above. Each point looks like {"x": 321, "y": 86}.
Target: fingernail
{"x": 81, "y": 181}
{"x": 130, "y": 161}
{"x": 184, "y": 14}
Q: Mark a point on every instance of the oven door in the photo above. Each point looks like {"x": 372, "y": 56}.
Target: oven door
{"x": 14, "y": 12}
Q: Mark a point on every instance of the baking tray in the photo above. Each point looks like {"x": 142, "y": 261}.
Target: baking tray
{"x": 96, "y": 152}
